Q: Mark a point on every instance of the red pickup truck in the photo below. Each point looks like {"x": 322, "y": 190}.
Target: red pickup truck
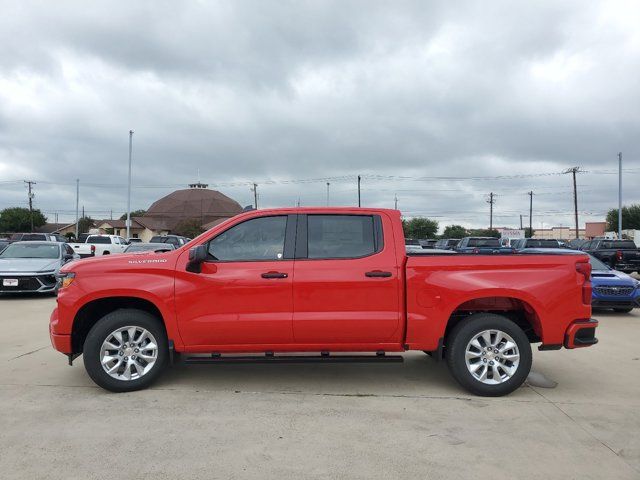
{"x": 278, "y": 285}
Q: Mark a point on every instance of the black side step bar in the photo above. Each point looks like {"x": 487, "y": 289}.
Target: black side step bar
{"x": 271, "y": 358}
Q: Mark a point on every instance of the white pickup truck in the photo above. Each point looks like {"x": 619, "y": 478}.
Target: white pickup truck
{"x": 96, "y": 245}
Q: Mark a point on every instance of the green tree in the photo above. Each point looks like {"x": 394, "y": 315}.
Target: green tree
{"x": 18, "y": 219}
{"x": 85, "y": 224}
{"x": 190, "y": 227}
{"x": 630, "y": 218}
{"x": 70, "y": 235}
{"x": 420, "y": 227}
{"x": 528, "y": 233}
{"x": 484, "y": 232}
{"x": 454, "y": 231}
{"x": 135, "y": 213}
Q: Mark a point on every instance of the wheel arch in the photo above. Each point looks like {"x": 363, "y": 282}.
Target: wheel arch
{"x": 517, "y": 309}
{"x": 91, "y": 312}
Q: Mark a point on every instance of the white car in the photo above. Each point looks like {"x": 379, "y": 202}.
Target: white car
{"x": 97, "y": 245}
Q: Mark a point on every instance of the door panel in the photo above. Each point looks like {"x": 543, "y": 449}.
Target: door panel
{"x": 335, "y": 300}
{"x": 244, "y": 292}
{"x": 231, "y": 303}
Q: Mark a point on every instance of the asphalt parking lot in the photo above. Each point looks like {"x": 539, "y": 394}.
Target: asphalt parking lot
{"x": 317, "y": 421}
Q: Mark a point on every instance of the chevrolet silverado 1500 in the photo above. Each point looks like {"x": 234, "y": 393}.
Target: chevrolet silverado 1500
{"x": 279, "y": 285}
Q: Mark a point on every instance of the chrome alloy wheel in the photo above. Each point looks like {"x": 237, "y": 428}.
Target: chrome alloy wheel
{"x": 129, "y": 353}
{"x": 492, "y": 357}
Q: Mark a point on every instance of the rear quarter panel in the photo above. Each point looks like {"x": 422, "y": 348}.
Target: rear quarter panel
{"x": 437, "y": 286}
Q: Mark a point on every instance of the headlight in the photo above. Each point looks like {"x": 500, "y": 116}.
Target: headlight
{"x": 65, "y": 279}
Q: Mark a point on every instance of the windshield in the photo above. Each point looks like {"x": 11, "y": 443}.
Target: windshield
{"x": 145, "y": 247}
{"x": 597, "y": 264}
{"x": 31, "y": 251}
{"x": 97, "y": 239}
{"x": 534, "y": 243}
{"x": 622, "y": 244}
{"x": 484, "y": 242}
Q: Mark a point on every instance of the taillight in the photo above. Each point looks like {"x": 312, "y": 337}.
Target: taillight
{"x": 93, "y": 249}
{"x": 619, "y": 255}
{"x": 584, "y": 268}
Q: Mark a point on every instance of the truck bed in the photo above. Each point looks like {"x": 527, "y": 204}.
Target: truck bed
{"x": 439, "y": 286}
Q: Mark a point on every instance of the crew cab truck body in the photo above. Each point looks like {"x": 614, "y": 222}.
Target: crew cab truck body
{"x": 622, "y": 255}
{"x": 321, "y": 281}
{"x": 97, "y": 245}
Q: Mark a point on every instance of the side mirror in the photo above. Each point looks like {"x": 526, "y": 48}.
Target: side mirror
{"x": 67, "y": 256}
{"x": 197, "y": 255}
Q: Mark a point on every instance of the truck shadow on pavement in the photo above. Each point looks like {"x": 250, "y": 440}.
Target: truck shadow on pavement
{"x": 418, "y": 375}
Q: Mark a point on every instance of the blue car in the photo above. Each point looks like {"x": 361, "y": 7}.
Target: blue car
{"x": 613, "y": 289}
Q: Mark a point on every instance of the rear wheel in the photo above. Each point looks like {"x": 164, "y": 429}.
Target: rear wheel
{"x": 623, "y": 310}
{"x": 489, "y": 355}
{"x": 126, "y": 350}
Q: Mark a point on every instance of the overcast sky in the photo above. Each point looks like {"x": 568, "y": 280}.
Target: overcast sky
{"x": 400, "y": 92}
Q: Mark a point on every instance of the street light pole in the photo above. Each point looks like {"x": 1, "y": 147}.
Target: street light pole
{"x": 77, "y": 205}
{"x": 129, "y": 187}
{"x": 328, "y": 193}
{"x": 620, "y": 196}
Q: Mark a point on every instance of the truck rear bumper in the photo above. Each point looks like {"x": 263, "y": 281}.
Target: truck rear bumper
{"x": 581, "y": 333}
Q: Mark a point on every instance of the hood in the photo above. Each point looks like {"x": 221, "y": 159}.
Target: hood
{"x": 120, "y": 260}
{"x": 28, "y": 265}
{"x": 612, "y": 277}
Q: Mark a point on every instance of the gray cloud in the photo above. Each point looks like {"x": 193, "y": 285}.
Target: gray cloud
{"x": 298, "y": 90}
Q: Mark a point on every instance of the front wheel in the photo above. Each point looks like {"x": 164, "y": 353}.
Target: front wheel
{"x": 489, "y": 355}
{"x": 125, "y": 350}
{"x": 623, "y": 310}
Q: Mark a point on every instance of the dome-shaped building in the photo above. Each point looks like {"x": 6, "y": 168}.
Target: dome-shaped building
{"x": 197, "y": 202}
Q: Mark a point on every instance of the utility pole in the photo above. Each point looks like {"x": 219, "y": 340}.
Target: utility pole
{"x": 359, "y": 178}
{"x": 396, "y": 201}
{"x": 573, "y": 171}
{"x": 129, "y": 187}
{"x": 491, "y": 201}
{"x": 77, "y": 203}
{"x": 520, "y": 221}
{"x": 328, "y": 193}
{"x": 255, "y": 195}
{"x": 530, "y": 213}
{"x": 31, "y": 195}
{"x": 620, "y": 196}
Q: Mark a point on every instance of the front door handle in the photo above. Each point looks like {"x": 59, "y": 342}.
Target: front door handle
{"x": 274, "y": 275}
{"x": 378, "y": 273}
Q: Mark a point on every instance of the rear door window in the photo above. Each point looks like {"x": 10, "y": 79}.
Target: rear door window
{"x": 340, "y": 236}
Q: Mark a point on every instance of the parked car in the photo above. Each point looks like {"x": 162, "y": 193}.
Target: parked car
{"x": 176, "y": 240}
{"x": 412, "y": 242}
{"x": 576, "y": 243}
{"x": 447, "y": 243}
{"x": 428, "y": 243}
{"x": 36, "y": 237}
{"x": 32, "y": 266}
{"x": 522, "y": 243}
{"x": 482, "y": 245}
{"x": 610, "y": 288}
{"x": 328, "y": 280}
{"x": 613, "y": 289}
{"x": 622, "y": 255}
{"x": 4, "y": 243}
{"x": 413, "y": 250}
{"x": 131, "y": 240}
{"x": 96, "y": 245}
{"x": 149, "y": 247}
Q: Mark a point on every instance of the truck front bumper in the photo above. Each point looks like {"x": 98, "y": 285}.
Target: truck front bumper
{"x": 581, "y": 333}
{"x": 60, "y": 342}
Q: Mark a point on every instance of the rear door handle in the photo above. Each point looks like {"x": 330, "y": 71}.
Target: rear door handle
{"x": 378, "y": 273}
{"x": 274, "y": 275}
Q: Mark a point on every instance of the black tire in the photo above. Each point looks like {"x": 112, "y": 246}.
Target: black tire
{"x": 623, "y": 310}
{"x": 464, "y": 332}
{"x": 106, "y": 253}
{"x": 99, "y": 333}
